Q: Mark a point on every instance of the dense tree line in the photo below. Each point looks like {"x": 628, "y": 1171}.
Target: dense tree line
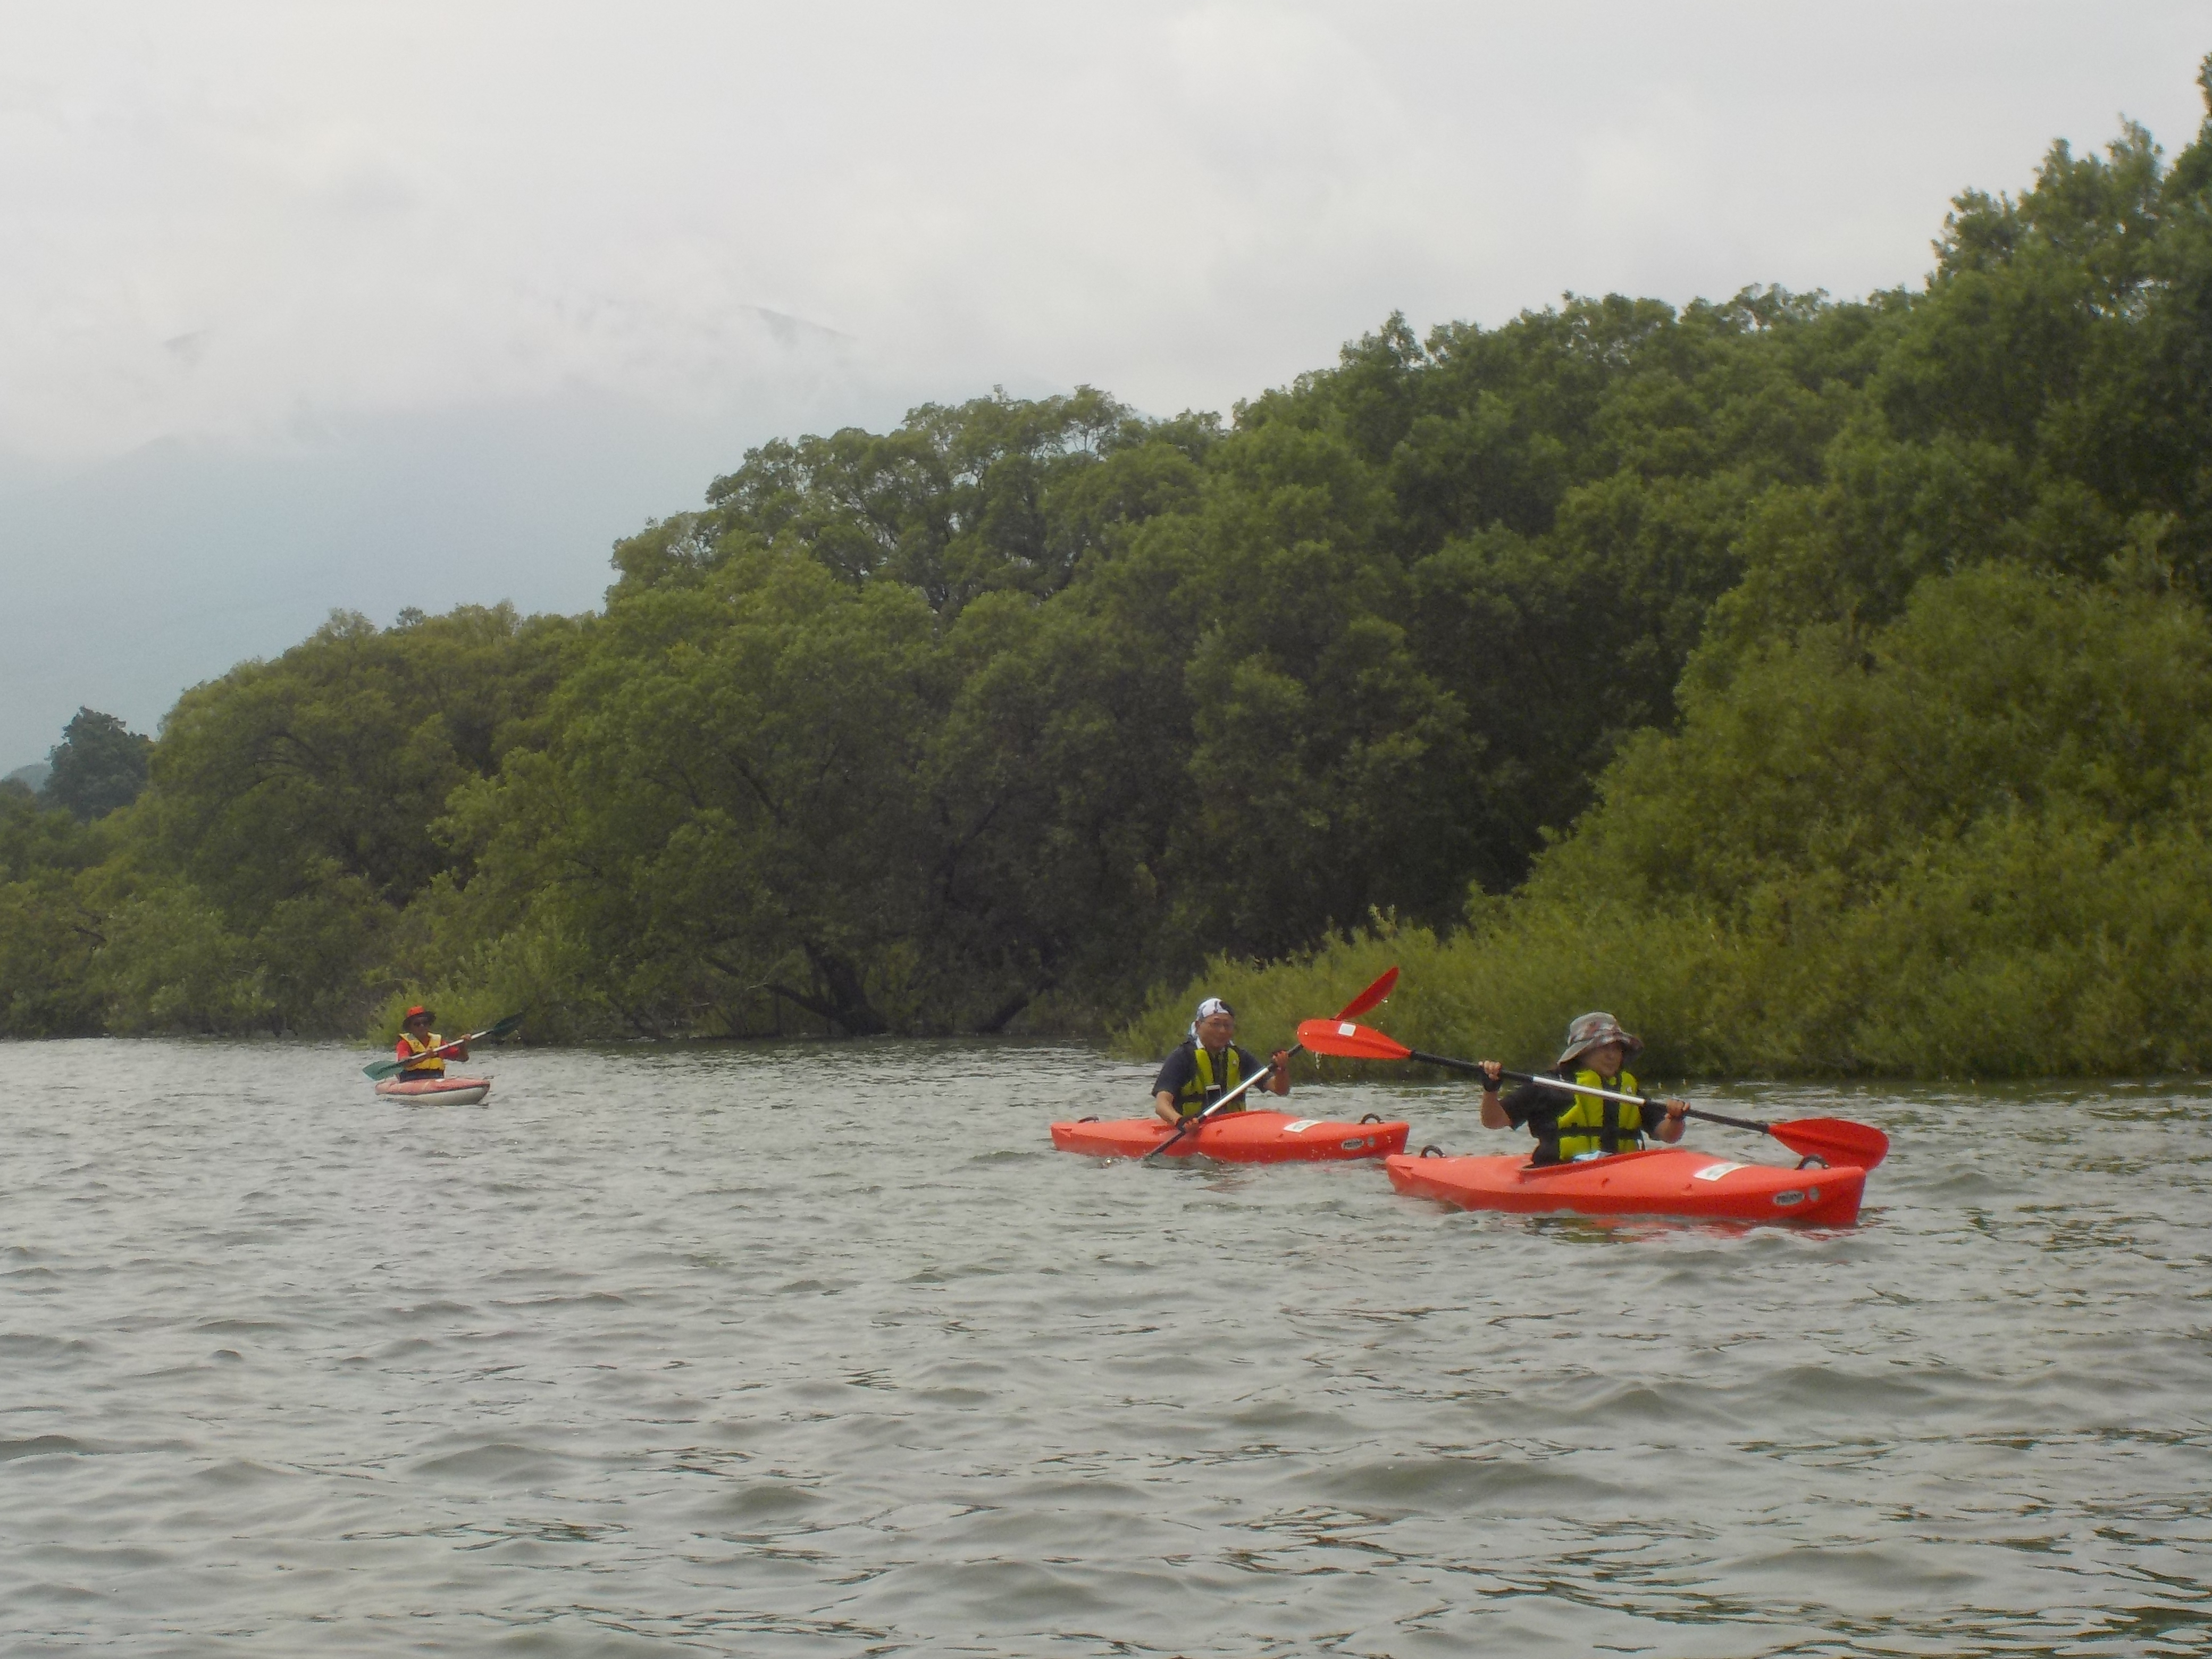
{"x": 1563, "y": 645}
{"x": 1940, "y": 797}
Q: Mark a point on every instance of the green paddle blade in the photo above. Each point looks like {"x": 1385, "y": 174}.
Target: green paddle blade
{"x": 377, "y": 1071}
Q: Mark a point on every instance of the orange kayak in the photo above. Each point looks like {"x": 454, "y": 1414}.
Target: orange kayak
{"x": 1236, "y": 1138}
{"x": 440, "y": 1091}
{"x": 1668, "y": 1181}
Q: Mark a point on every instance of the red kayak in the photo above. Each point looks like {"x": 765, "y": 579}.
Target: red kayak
{"x": 1236, "y": 1138}
{"x": 439, "y": 1090}
{"x": 1669, "y": 1181}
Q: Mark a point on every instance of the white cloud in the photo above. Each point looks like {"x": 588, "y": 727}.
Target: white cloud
{"x": 232, "y": 218}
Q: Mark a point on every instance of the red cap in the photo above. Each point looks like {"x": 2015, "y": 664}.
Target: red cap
{"x": 417, "y": 1008}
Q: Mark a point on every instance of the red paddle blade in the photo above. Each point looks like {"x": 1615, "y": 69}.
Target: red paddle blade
{"x": 1836, "y": 1138}
{"x": 1346, "y": 1040}
{"x": 1373, "y": 997}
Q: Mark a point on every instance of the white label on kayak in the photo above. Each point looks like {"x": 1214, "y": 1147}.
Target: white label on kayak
{"x": 1714, "y": 1172}
{"x": 1300, "y": 1126}
{"x": 1345, "y": 1028}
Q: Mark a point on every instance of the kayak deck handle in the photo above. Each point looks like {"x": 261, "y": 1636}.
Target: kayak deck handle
{"x": 1811, "y": 1161}
{"x": 1432, "y": 1151}
{"x": 1371, "y": 1117}
{"x": 1093, "y": 1118}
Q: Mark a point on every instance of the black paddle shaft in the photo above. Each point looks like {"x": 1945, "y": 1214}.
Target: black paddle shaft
{"x": 1810, "y": 1137}
{"x": 1603, "y": 1094}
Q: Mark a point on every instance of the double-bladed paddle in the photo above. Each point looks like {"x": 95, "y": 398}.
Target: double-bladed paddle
{"x": 379, "y": 1070}
{"x": 1373, "y": 997}
{"x": 1836, "y": 1138}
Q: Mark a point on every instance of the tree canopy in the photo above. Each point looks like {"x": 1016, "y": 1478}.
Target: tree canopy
{"x": 99, "y": 765}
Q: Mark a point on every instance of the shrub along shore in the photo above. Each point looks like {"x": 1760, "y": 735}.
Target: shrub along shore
{"x": 1973, "y": 843}
{"x": 1818, "y": 685}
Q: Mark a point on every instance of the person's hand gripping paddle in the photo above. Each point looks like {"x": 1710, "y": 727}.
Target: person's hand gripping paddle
{"x": 1838, "y": 1139}
{"x": 1373, "y": 997}
{"x": 381, "y": 1069}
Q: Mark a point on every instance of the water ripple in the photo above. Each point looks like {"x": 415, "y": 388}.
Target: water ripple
{"x": 822, "y": 1350}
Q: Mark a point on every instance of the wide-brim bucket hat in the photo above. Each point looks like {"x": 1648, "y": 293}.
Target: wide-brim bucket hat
{"x": 1589, "y": 1032}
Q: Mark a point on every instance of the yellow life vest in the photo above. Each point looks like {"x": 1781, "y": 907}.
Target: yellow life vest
{"x": 1588, "y": 1124}
{"x": 1199, "y": 1088}
{"x": 435, "y": 1066}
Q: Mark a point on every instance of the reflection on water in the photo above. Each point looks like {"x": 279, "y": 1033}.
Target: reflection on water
{"x": 825, "y": 1352}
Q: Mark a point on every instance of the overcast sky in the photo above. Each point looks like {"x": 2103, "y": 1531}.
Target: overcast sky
{"x": 375, "y": 305}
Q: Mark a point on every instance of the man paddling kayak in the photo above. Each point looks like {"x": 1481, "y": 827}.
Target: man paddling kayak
{"x": 418, "y": 1047}
{"x": 1569, "y": 1126}
{"x": 1208, "y": 1064}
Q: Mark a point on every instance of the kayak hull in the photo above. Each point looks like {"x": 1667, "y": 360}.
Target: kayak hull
{"x": 439, "y": 1090}
{"x": 1665, "y": 1181}
{"x": 1236, "y": 1138}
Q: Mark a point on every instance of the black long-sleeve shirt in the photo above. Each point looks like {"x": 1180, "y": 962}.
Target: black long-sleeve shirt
{"x": 1536, "y": 1108}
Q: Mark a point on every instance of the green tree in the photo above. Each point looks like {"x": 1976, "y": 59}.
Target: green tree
{"x": 2043, "y": 400}
{"x": 1909, "y": 776}
{"x": 995, "y": 494}
{"x": 100, "y": 764}
{"x": 48, "y": 935}
{"x": 289, "y": 822}
{"x": 728, "y": 807}
{"x": 1972, "y": 842}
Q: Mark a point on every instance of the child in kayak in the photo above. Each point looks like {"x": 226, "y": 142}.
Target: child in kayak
{"x": 418, "y": 1047}
{"x": 1570, "y": 1126}
{"x": 1207, "y": 1064}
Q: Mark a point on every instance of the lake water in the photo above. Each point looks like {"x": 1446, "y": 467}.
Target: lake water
{"x": 824, "y": 1352}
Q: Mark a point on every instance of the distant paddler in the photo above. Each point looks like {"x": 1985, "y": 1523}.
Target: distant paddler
{"x": 1208, "y": 1064}
{"x": 1569, "y": 1125}
{"x": 421, "y": 1052}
